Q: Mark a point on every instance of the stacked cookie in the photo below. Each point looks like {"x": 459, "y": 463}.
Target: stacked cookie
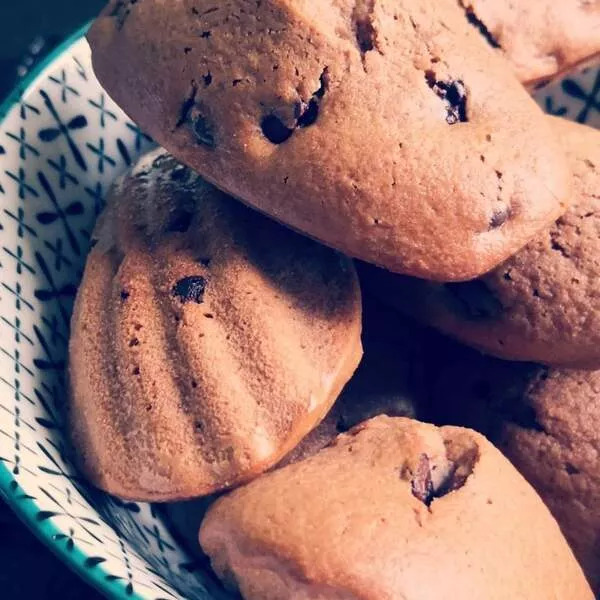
{"x": 211, "y": 344}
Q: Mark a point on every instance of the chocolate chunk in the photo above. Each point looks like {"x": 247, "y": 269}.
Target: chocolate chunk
{"x": 454, "y": 96}
{"x": 203, "y": 130}
{"x": 278, "y": 132}
{"x": 310, "y": 115}
{"x": 365, "y": 35}
{"x": 187, "y": 105}
{"x": 421, "y": 483}
{"x": 499, "y": 217}
{"x": 275, "y": 130}
{"x": 124, "y": 295}
{"x": 190, "y": 289}
{"x": 364, "y": 28}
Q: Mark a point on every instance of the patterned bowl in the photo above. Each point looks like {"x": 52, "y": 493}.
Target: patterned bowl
{"x": 62, "y": 143}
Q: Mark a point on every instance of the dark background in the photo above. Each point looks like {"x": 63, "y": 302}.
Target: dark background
{"x": 28, "y": 571}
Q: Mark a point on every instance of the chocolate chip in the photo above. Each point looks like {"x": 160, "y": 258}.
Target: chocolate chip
{"x": 365, "y": 35}
{"x": 190, "y": 289}
{"x": 364, "y": 29}
{"x": 275, "y": 130}
{"x": 421, "y": 483}
{"x": 454, "y": 96}
{"x": 187, "y": 105}
{"x": 278, "y": 132}
{"x": 203, "y": 131}
{"x": 571, "y": 469}
{"x": 310, "y": 115}
{"x": 191, "y": 113}
{"x": 499, "y": 217}
{"x": 124, "y": 295}
{"x": 475, "y": 300}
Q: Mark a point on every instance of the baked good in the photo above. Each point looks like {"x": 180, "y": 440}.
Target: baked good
{"x": 387, "y": 130}
{"x": 207, "y": 340}
{"x": 388, "y": 381}
{"x": 539, "y": 37}
{"x": 395, "y": 509}
{"x": 543, "y": 304}
{"x": 546, "y": 421}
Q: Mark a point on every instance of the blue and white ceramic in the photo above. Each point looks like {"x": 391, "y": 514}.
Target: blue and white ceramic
{"x": 62, "y": 142}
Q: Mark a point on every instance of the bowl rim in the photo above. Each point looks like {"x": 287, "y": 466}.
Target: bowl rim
{"x": 22, "y": 505}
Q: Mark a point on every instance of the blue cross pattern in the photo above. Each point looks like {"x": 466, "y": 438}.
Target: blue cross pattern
{"x": 16, "y": 358}
{"x": 80, "y": 69}
{"x": 18, "y": 419}
{"x": 57, "y": 250}
{"x": 20, "y": 219}
{"x": 18, "y": 257}
{"x": 17, "y": 293}
{"x": 56, "y": 334}
{"x": 103, "y": 157}
{"x": 24, "y": 145}
{"x": 140, "y": 136}
{"x": 64, "y": 175}
{"x": 16, "y": 327}
{"x": 97, "y": 195}
{"x": 65, "y": 87}
{"x": 21, "y": 180}
{"x": 104, "y": 112}
{"x": 591, "y": 99}
{"x": 16, "y": 387}
{"x": 24, "y": 106}
{"x": 160, "y": 541}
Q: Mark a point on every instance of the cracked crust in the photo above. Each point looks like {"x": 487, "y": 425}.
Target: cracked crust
{"x": 546, "y": 421}
{"x": 350, "y": 523}
{"x": 540, "y": 38}
{"x": 198, "y": 355}
{"x": 378, "y": 127}
{"x": 541, "y": 305}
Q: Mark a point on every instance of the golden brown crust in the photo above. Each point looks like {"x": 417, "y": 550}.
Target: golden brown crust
{"x": 540, "y": 38}
{"x": 345, "y": 120}
{"x": 206, "y": 340}
{"x": 396, "y": 509}
{"x": 543, "y": 303}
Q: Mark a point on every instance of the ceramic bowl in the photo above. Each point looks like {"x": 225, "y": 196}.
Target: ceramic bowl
{"x": 62, "y": 142}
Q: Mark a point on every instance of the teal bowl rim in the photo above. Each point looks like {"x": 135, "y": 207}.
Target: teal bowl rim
{"x": 25, "y": 507}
